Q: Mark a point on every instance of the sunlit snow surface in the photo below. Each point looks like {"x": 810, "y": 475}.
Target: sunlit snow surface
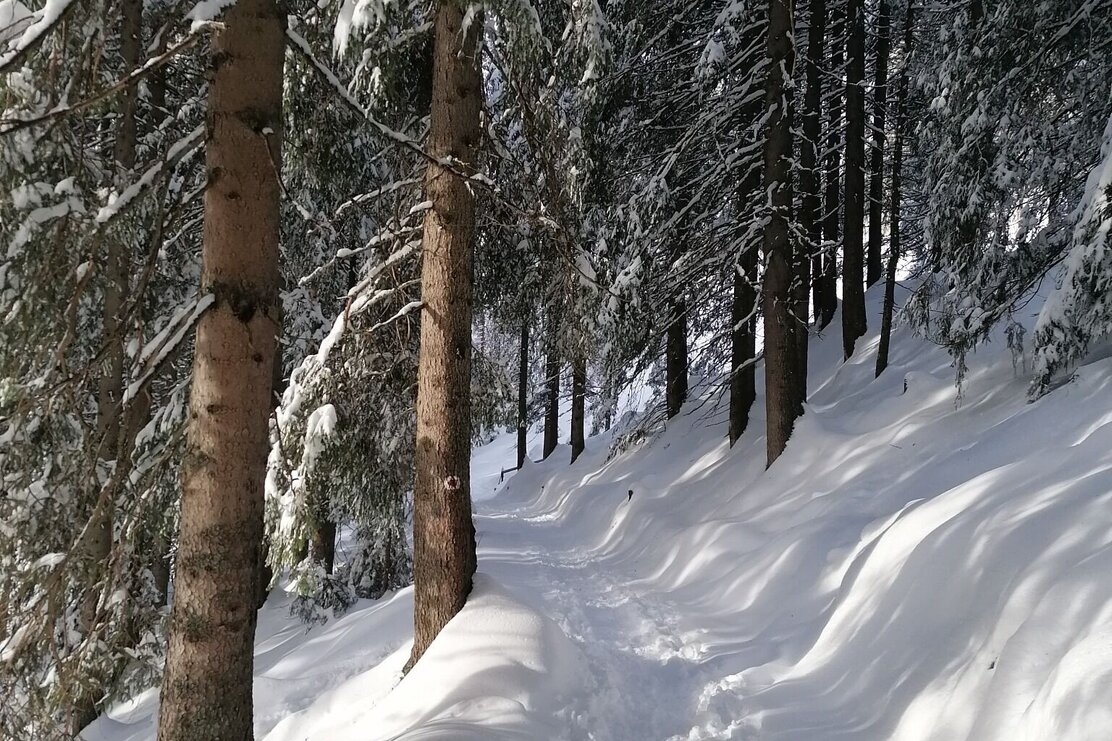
{"x": 910, "y": 569}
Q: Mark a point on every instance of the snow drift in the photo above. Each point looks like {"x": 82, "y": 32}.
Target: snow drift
{"x": 911, "y": 568}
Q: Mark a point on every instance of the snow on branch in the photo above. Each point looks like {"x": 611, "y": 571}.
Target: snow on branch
{"x": 448, "y": 163}
{"x": 1078, "y": 312}
{"x": 302, "y": 46}
{"x": 49, "y": 18}
{"x": 179, "y": 151}
{"x": 164, "y": 343}
{"x": 12, "y": 125}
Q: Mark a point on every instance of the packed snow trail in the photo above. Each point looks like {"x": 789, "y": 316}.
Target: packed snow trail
{"x": 636, "y": 673}
{"x": 911, "y": 568}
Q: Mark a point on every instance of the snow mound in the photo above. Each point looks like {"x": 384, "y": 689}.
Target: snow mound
{"x": 498, "y": 670}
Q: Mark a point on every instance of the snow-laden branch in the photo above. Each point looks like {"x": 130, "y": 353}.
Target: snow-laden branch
{"x": 164, "y": 343}
{"x": 179, "y": 151}
{"x": 50, "y": 16}
{"x": 12, "y": 125}
{"x": 397, "y": 137}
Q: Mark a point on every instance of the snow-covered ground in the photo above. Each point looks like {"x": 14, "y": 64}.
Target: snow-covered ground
{"x": 909, "y": 569}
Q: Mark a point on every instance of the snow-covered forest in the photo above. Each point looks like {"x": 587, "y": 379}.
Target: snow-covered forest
{"x": 555, "y": 369}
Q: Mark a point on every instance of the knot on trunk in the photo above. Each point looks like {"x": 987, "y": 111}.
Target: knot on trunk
{"x": 243, "y": 301}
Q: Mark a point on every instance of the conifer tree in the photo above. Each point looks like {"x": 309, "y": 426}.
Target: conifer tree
{"x": 552, "y": 397}
{"x": 832, "y": 204}
{"x": 853, "y": 248}
{"x": 810, "y": 181}
{"x": 896, "y": 194}
{"x": 443, "y": 533}
{"x": 206, "y": 689}
{"x": 782, "y": 388}
{"x": 876, "y": 161}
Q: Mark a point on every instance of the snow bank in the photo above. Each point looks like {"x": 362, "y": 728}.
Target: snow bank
{"x": 910, "y": 569}
{"x": 497, "y": 670}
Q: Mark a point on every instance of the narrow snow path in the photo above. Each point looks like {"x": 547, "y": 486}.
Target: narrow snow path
{"x": 642, "y": 684}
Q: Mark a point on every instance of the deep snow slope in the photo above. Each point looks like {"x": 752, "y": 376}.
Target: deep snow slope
{"x": 911, "y": 568}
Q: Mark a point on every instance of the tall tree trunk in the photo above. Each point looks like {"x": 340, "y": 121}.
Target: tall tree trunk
{"x": 801, "y": 283}
{"x": 743, "y": 376}
{"x": 206, "y": 688}
{"x": 894, "y": 210}
{"x": 876, "y": 166}
{"x": 578, "y": 405}
{"x": 552, "y": 400}
{"x": 443, "y": 531}
{"x": 782, "y": 401}
{"x": 97, "y": 546}
{"x": 831, "y": 223}
{"x": 853, "y": 247}
{"x": 160, "y": 565}
{"x": 675, "y": 359}
{"x": 522, "y": 392}
{"x": 810, "y": 213}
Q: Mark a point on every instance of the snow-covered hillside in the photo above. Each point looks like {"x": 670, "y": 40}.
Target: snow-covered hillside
{"x": 910, "y": 569}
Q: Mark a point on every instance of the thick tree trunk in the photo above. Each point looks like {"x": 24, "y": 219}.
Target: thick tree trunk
{"x": 206, "y": 688}
{"x": 443, "y": 531}
{"x": 552, "y": 400}
{"x": 876, "y": 166}
{"x": 675, "y": 359}
{"x": 743, "y": 376}
{"x": 782, "y": 400}
{"x": 853, "y": 249}
{"x": 522, "y": 392}
{"x": 894, "y": 210}
{"x": 98, "y": 545}
{"x": 578, "y": 406}
{"x": 831, "y": 223}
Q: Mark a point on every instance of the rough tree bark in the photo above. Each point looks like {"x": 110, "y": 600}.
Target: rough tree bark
{"x": 552, "y": 400}
{"x": 578, "y": 406}
{"x": 876, "y": 165}
{"x": 443, "y": 531}
{"x": 831, "y": 224}
{"x": 522, "y": 392}
{"x": 853, "y": 247}
{"x": 206, "y": 688}
{"x": 675, "y": 359}
{"x": 894, "y": 209}
{"x": 782, "y": 401}
{"x": 743, "y": 375}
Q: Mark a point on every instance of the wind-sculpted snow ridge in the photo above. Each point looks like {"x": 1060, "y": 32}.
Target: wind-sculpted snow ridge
{"x": 911, "y": 568}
